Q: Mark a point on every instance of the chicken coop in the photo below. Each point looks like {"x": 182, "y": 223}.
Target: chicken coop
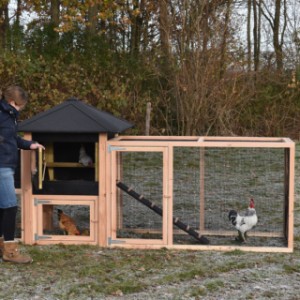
{"x": 66, "y": 182}
{"x": 151, "y": 192}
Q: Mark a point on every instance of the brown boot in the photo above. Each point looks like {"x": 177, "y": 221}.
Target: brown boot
{"x": 1, "y": 246}
{"x": 11, "y": 253}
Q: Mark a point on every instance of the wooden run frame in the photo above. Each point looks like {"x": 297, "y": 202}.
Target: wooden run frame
{"x": 166, "y": 146}
{"x": 103, "y": 207}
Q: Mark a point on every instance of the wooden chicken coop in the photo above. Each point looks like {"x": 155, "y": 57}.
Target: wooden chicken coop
{"x": 59, "y": 179}
{"x": 153, "y": 192}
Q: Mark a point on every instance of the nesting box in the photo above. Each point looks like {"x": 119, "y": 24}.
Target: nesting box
{"x": 150, "y": 191}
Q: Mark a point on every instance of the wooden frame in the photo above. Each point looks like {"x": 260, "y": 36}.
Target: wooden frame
{"x": 103, "y": 207}
{"x": 150, "y": 143}
{"x": 32, "y": 205}
{"x": 42, "y": 238}
{"x": 115, "y": 171}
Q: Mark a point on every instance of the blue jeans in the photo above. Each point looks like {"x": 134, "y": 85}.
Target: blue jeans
{"x": 7, "y": 188}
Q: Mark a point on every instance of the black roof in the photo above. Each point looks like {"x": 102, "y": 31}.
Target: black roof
{"x": 74, "y": 116}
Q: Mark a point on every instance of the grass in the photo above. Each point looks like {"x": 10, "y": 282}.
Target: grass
{"x": 214, "y": 285}
{"x": 79, "y": 272}
{"x": 89, "y": 272}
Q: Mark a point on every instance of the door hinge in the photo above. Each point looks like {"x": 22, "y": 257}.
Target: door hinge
{"x": 41, "y": 237}
{"x": 113, "y": 242}
{"x": 114, "y": 148}
{"x": 37, "y": 202}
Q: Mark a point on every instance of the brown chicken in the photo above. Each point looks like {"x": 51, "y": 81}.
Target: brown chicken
{"x": 66, "y": 223}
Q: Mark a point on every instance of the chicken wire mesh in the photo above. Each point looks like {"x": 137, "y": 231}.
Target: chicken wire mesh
{"x": 143, "y": 171}
{"x": 224, "y": 178}
{"x": 227, "y": 178}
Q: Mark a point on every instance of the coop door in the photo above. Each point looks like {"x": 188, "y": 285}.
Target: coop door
{"x": 138, "y": 189}
{"x": 68, "y": 220}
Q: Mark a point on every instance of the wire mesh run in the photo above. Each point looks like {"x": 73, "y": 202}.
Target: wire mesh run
{"x": 143, "y": 172}
{"x": 208, "y": 182}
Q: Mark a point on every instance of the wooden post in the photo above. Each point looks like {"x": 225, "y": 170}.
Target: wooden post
{"x": 168, "y": 159}
{"x": 96, "y": 163}
{"x": 28, "y": 221}
{"x": 148, "y": 117}
{"x": 202, "y": 193}
{"x": 119, "y": 194}
{"x": 103, "y": 177}
{"x": 290, "y": 197}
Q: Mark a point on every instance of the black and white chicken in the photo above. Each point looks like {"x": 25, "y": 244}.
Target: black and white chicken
{"x": 244, "y": 222}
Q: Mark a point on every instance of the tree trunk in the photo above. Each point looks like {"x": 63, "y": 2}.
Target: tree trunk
{"x": 92, "y": 20}
{"x": 276, "y": 36}
{"x": 249, "y": 49}
{"x": 54, "y": 15}
{"x": 256, "y": 33}
{"x": 54, "y": 12}
{"x": 224, "y": 38}
{"x": 18, "y": 13}
{"x": 164, "y": 28}
{"x": 4, "y": 23}
{"x": 136, "y": 28}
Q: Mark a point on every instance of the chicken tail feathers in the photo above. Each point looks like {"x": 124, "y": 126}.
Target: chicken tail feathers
{"x": 232, "y": 217}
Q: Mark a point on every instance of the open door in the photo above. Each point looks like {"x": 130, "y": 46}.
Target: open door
{"x": 38, "y": 166}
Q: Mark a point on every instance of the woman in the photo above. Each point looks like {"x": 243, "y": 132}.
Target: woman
{"x": 14, "y": 100}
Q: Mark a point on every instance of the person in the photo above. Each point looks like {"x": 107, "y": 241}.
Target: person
{"x": 12, "y": 102}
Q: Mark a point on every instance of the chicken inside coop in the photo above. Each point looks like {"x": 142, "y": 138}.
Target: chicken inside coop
{"x": 84, "y": 158}
{"x": 82, "y": 153}
{"x": 66, "y": 223}
{"x": 67, "y": 168}
{"x": 67, "y": 220}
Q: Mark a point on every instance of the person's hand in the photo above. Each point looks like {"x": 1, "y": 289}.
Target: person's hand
{"x": 35, "y": 146}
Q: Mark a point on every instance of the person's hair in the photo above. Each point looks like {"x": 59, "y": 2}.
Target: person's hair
{"x": 17, "y": 94}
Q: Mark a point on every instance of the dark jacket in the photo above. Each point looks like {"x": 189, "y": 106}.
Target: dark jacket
{"x": 10, "y": 142}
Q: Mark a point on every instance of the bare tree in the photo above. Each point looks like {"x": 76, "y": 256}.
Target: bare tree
{"x": 137, "y": 25}
{"x": 164, "y": 28}
{"x": 256, "y": 32}
{"x": 202, "y": 45}
{"x": 225, "y": 35}
{"x": 278, "y": 23}
{"x": 249, "y": 48}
